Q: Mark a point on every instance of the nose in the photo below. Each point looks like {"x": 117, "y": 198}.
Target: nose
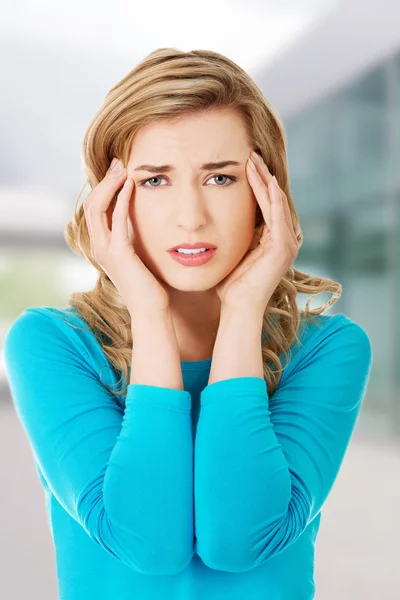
{"x": 191, "y": 211}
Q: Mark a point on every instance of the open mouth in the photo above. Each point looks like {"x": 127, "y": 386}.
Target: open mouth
{"x": 193, "y": 253}
{"x": 198, "y": 258}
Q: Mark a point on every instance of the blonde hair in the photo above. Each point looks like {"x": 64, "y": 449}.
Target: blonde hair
{"x": 166, "y": 84}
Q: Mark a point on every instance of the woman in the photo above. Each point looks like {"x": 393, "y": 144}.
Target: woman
{"x": 203, "y": 476}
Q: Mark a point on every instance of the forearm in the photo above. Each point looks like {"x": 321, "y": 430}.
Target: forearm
{"x": 239, "y": 465}
{"x": 237, "y": 348}
{"x": 155, "y": 352}
{"x": 156, "y": 453}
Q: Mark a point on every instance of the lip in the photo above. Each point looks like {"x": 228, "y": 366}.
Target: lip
{"x": 194, "y": 260}
{"x": 196, "y": 245}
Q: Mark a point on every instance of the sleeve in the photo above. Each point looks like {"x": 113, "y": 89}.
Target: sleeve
{"x": 124, "y": 474}
{"x": 265, "y": 466}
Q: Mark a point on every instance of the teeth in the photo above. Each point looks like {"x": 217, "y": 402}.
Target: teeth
{"x": 188, "y": 251}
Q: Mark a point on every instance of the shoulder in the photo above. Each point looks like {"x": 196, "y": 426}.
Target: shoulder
{"x": 338, "y": 328}
{"x": 333, "y": 336}
{"x": 52, "y": 343}
{"x": 43, "y": 321}
{"x": 48, "y": 331}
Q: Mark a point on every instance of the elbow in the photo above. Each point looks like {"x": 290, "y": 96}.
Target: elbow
{"x": 157, "y": 558}
{"x": 225, "y": 558}
{"x": 151, "y": 559}
{"x": 236, "y": 556}
{"x": 164, "y": 563}
{"x": 219, "y": 563}
{"x": 231, "y": 549}
{"x": 222, "y": 553}
{"x": 154, "y": 555}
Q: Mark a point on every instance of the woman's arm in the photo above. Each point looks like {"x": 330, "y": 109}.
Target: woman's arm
{"x": 265, "y": 466}
{"x": 124, "y": 474}
{"x": 155, "y": 352}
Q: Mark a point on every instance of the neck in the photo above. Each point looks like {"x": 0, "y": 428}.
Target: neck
{"x": 196, "y": 317}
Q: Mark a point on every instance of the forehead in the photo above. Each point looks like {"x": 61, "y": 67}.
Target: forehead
{"x": 204, "y": 133}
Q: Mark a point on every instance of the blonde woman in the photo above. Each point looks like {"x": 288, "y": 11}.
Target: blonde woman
{"x": 188, "y": 420}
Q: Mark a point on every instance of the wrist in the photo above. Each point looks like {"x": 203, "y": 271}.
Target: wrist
{"x": 143, "y": 318}
{"x": 244, "y": 314}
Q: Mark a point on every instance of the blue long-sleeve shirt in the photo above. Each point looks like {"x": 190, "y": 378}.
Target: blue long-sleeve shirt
{"x": 214, "y": 491}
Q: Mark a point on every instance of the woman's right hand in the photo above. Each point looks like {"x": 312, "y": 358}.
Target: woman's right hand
{"x": 114, "y": 251}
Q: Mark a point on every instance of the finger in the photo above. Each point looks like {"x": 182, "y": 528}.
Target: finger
{"x": 288, "y": 217}
{"x": 278, "y": 218}
{"x": 261, "y": 167}
{"x": 120, "y": 232}
{"x": 286, "y": 209}
{"x": 260, "y": 191}
{"x": 97, "y": 203}
{"x": 267, "y": 178}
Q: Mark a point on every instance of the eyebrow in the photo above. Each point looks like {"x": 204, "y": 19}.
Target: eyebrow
{"x": 205, "y": 167}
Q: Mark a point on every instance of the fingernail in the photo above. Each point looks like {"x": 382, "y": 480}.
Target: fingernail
{"x": 117, "y": 166}
{"x": 118, "y": 169}
{"x": 256, "y": 156}
{"x": 113, "y": 162}
{"x": 252, "y": 165}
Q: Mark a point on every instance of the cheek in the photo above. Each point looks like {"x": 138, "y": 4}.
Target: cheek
{"x": 145, "y": 228}
{"x": 240, "y": 232}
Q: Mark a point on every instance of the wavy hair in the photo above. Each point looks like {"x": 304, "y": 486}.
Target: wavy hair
{"x": 166, "y": 84}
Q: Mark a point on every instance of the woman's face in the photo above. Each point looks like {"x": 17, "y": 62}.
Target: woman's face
{"x": 188, "y": 203}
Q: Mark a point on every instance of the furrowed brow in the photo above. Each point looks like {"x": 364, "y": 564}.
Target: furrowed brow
{"x": 205, "y": 167}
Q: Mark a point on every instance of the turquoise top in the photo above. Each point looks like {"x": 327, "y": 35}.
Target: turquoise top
{"x": 212, "y": 492}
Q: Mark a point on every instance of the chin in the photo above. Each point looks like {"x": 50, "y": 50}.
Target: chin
{"x": 195, "y": 279}
{"x": 192, "y": 282}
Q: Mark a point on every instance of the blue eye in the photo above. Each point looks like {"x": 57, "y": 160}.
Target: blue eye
{"x": 142, "y": 183}
{"x": 230, "y": 177}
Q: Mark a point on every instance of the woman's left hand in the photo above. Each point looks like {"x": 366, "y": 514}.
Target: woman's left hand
{"x": 255, "y": 278}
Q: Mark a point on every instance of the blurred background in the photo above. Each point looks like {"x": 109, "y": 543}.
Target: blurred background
{"x": 331, "y": 69}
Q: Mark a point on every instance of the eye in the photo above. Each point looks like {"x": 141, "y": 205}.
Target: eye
{"x": 142, "y": 183}
{"x": 230, "y": 177}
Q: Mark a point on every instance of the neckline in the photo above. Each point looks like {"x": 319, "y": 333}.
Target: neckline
{"x": 195, "y": 364}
